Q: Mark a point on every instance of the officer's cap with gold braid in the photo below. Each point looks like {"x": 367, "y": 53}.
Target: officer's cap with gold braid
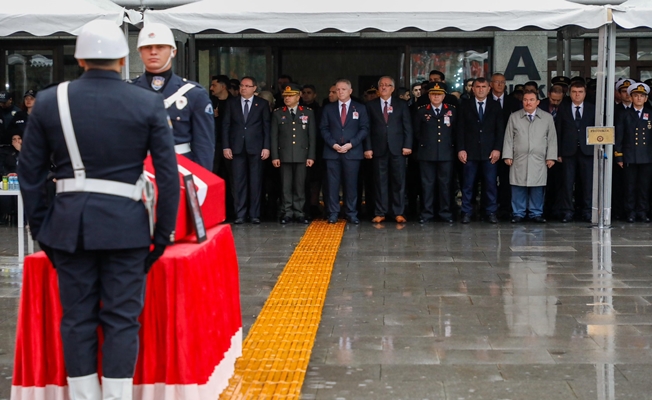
{"x": 372, "y": 90}
{"x": 638, "y": 88}
{"x": 625, "y": 83}
{"x": 292, "y": 90}
{"x": 437, "y": 88}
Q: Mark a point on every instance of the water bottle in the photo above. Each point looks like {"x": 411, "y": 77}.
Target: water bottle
{"x": 12, "y": 185}
{"x": 16, "y": 184}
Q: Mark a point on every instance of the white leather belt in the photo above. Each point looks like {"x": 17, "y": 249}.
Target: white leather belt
{"x": 182, "y": 148}
{"x": 115, "y": 188}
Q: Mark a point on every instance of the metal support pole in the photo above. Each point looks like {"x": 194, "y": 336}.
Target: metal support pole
{"x": 125, "y": 69}
{"x": 567, "y": 57}
{"x": 560, "y": 53}
{"x": 192, "y": 58}
{"x": 603, "y": 162}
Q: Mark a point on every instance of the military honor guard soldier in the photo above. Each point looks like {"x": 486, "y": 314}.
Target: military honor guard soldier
{"x": 187, "y": 102}
{"x": 435, "y": 126}
{"x": 633, "y": 153}
{"x": 97, "y": 231}
{"x": 294, "y": 142}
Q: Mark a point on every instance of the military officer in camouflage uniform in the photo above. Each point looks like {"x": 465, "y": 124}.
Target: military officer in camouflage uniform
{"x": 633, "y": 152}
{"x": 293, "y": 149}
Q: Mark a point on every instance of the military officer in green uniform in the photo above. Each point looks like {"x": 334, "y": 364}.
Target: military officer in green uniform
{"x": 293, "y": 149}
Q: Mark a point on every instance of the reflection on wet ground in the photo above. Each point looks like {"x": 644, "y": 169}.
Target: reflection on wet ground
{"x": 555, "y": 311}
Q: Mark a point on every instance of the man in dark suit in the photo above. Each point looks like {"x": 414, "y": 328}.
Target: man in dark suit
{"x": 246, "y": 141}
{"x": 508, "y": 104}
{"x": 293, "y": 149}
{"x": 575, "y": 156}
{"x": 434, "y": 127}
{"x": 388, "y": 144}
{"x": 315, "y": 175}
{"x": 551, "y": 105}
{"x": 187, "y": 102}
{"x": 618, "y": 177}
{"x": 633, "y": 153}
{"x": 479, "y": 142}
{"x": 220, "y": 95}
{"x": 96, "y": 231}
{"x": 344, "y": 127}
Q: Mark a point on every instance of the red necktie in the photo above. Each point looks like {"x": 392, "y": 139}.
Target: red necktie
{"x": 343, "y": 115}
{"x": 385, "y": 113}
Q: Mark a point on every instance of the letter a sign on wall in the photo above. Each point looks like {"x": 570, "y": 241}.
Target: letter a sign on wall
{"x": 528, "y": 68}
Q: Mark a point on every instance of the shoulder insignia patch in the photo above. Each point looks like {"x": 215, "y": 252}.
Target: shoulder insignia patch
{"x": 209, "y": 109}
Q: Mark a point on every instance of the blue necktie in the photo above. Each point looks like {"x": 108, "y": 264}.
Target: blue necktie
{"x": 480, "y": 111}
{"x": 246, "y": 110}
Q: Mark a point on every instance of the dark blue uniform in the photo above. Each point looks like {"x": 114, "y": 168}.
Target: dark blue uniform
{"x": 99, "y": 242}
{"x": 193, "y": 122}
{"x": 634, "y": 149}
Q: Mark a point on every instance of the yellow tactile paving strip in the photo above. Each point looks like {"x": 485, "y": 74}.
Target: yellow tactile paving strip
{"x": 277, "y": 349}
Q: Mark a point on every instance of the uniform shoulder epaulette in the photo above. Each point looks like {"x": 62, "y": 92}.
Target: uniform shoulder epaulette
{"x": 308, "y": 108}
{"x": 421, "y": 106}
{"x": 277, "y": 108}
{"x": 450, "y": 105}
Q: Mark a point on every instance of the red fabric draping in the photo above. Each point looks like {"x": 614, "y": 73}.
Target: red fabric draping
{"x": 191, "y": 314}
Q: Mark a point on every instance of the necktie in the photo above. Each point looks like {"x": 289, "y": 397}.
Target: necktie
{"x": 385, "y": 113}
{"x": 292, "y": 112}
{"x": 437, "y": 112}
{"x": 578, "y": 116}
{"x": 480, "y": 111}
{"x": 246, "y": 110}
{"x": 531, "y": 117}
{"x": 639, "y": 113}
{"x": 554, "y": 112}
{"x": 343, "y": 115}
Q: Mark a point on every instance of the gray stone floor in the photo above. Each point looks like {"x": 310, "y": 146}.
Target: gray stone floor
{"x": 454, "y": 312}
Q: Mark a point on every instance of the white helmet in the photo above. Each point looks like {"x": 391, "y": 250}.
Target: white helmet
{"x": 155, "y": 33}
{"x": 101, "y": 40}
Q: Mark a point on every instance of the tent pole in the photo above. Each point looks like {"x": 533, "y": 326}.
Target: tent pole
{"x": 567, "y": 57}
{"x": 603, "y": 163}
{"x": 125, "y": 69}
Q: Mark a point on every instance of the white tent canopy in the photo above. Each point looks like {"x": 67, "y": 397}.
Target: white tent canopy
{"x": 633, "y": 14}
{"x": 45, "y": 17}
{"x": 347, "y": 16}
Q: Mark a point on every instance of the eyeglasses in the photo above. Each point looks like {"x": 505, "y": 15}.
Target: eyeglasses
{"x": 247, "y": 86}
{"x": 385, "y": 85}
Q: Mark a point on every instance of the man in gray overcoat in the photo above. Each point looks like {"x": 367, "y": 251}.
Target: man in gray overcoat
{"x": 529, "y": 147}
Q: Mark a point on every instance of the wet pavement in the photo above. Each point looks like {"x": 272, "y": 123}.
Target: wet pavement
{"x": 479, "y": 311}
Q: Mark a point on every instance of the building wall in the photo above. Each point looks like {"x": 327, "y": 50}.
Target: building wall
{"x": 522, "y": 57}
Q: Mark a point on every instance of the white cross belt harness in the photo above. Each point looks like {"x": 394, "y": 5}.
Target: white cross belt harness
{"x": 142, "y": 190}
{"x": 181, "y": 148}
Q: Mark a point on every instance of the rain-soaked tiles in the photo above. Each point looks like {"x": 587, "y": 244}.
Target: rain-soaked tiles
{"x": 486, "y": 312}
{"x": 554, "y": 311}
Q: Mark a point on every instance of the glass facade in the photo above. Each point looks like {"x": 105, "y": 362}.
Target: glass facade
{"x": 456, "y": 64}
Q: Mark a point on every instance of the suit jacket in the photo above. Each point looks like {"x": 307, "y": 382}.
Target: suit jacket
{"x": 193, "y": 122}
{"x": 436, "y": 134}
{"x": 116, "y": 124}
{"x": 354, "y": 131}
{"x": 293, "y": 141}
{"x": 569, "y": 134}
{"x": 249, "y": 137}
{"x": 545, "y": 106}
{"x": 633, "y": 135}
{"x": 510, "y": 104}
{"x": 393, "y": 135}
{"x": 477, "y": 138}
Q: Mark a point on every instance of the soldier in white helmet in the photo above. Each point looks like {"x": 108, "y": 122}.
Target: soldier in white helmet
{"x": 98, "y": 131}
{"x": 187, "y": 102}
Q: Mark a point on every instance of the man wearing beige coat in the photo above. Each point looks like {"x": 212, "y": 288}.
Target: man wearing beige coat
{"x": 529, "y": 147}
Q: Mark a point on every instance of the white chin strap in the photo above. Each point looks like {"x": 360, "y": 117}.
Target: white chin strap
{"x": 164, "y": 67}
